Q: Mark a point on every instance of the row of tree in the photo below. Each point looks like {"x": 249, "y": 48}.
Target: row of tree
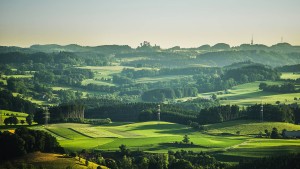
{"x": 160, "y": 95}
{"x": 25, "y": 141}
{"x": 284, "y": 88}
{"x": 125, "y": 158}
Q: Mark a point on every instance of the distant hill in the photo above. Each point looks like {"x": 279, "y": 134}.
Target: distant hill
{"x": 220, "y": 54}
{"x": 289, "y": 68}
{"x": 272, "y": 58}
{"x": 76, "y": 48}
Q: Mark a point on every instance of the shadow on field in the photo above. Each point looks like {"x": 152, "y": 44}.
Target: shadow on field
{"x": 228, "y": 124}
{"x": 117, "y": 124}
{"x": 164, "y": 128}
{"x": 235, "y": 155}
{"x": 249, "y": 95}
{"x": 163, "y": 146}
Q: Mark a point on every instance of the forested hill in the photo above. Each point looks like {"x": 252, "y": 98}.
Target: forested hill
{"x": 272, "y": 58}
{"x": 218, "y": 55}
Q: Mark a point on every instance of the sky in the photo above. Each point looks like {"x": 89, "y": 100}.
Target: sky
{"x": 168, "y": 23}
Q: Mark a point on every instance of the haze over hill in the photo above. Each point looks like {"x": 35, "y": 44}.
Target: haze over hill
{"x": 131, "y": 84}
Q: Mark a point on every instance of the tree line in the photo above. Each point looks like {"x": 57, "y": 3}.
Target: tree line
{"x": 25, "y": 141}
{"x": 125, "y": 158}
{"x": 284, "y": 88}
{"x": 160, "y": 95}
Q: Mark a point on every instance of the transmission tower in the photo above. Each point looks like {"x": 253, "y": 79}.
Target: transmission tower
{"x": 47, "y": 115}
{"x": 261, "y": 112}
{"x": 158, "y": 112}
{"x": 0, "y": 117}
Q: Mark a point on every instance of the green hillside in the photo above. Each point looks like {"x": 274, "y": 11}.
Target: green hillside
{"x": 160, "y": 137}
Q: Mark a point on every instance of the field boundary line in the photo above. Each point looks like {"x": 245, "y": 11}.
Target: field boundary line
{"x": 53, "y": 132}
{"x": 78, "y": 132}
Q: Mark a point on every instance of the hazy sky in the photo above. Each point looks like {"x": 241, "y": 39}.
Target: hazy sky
{"x": 187, "y": 23}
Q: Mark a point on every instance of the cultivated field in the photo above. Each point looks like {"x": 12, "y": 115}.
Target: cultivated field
{"x": 159, "y": 137}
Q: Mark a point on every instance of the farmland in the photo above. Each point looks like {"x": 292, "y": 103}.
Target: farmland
{"x": 6, "y": 113}
{"x": 249, "y": 94}
{"x": 160, "y": 137}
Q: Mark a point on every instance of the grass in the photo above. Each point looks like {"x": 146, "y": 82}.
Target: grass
{"x": 160, "y": 78}
{"x": 50, "y": 160}
{"x": 20, "y": 116}
{"x": 96, "y": 82}
{"x": 17, "y": 76}
{"x": 247, "y": 127}
{"x": 219, "y": 139}
{"x": 249, "y": 94}
{"x": 289, "y": 75}
{"x": 147, "y": 136}
{"x": 257, "y": 148}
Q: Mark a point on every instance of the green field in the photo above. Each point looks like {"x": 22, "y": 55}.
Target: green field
{"x": 289, "y": 75}
{"x": 248, "y": 127}
{"x": 6, "y": 113}
{"x": 161, "y": 78}
{"x": 17, "y": 76}
{"x": 219, "y": 139}
{"x": 249, "y": 94}
{"x": 46, "y": 160}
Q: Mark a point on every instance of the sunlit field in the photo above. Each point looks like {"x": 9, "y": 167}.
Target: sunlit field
{"x": 160, "y": 137}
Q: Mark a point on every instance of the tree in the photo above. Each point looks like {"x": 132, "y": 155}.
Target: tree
{"x": 181, "y": 164}
{"x": 126, "y": 162}
{"x": 29, "y": 119}
{"x": 22, "y": 122}
{"x": 267, "y": 133}
{"x": 274, "y": 133}
{"x": 7, "y": 121}
{"x": 186, "y": 139}
{"x": 262, "y": 86}
{"x": 110, "y": 163}
{"x": 124, "y": 150}
{"x": 214, "y": 97}
{"x": 14, "y": 120}
{"x": 283, "y": 133}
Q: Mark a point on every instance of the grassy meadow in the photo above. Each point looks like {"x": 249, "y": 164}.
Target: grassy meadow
{"x": 20, "y": 116}
{"x": 249, "y": 94}
{"x": 46, "y": 160}
{"x": 159, "y": 137}
{"x": 290, "y": 75}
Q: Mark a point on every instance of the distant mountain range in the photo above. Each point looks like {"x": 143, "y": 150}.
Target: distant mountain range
{"x": 220, "y": 54}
